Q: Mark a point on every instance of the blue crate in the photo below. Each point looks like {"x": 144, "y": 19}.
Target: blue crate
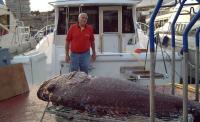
{"x": 5, "y": 57}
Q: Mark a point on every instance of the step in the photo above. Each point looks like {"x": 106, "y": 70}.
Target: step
{"x": 123, "y": 69}
{"x": 144, "y": 74}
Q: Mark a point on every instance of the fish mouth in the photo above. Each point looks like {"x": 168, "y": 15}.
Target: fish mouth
{"x": 43, "y": 93}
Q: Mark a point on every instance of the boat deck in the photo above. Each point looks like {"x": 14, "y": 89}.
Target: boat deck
{"x": 28, "y": 108}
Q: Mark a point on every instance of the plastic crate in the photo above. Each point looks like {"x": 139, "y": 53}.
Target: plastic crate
{"x": 5, "y": 57}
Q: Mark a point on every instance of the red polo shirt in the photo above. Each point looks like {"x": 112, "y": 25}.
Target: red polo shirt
{"x": 80, "y": 41}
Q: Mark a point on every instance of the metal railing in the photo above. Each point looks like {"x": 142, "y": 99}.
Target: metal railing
{"x": 185, "y": 52}
{"x": 152, "y": 60}
{"x": 43, "y": 32}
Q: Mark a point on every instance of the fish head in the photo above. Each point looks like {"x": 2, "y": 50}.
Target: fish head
{"x": 61, "y": 84}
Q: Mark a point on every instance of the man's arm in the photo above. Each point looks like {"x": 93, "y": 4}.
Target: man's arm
{"x": 67, "y": 57}
{"x": 92, "y": 40}
{"x": 93, "y": 51}
{"x": 93, "y": 47}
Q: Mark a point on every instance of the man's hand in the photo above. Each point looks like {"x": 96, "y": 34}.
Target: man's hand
{"x": 93, "y": 58}
{"x": 67, "y": 58}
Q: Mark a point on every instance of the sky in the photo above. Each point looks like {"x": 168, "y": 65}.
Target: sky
{"x": 40, "y": 5}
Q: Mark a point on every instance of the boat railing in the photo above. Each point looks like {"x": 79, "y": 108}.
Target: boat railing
{"x": 43, "y": 32}
{"x": 24, "y": 32}
{"x": 152, "y": 59}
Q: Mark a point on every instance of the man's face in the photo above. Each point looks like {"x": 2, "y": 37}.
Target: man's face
{"x": 83, "y": 20}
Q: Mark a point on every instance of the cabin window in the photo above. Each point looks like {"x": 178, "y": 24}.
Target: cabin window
{"x": 110, "y": 21}
{"x": 127, "y": 20}
{"x": 4, "y": 20}
{"x": 61, "y": 28}
{"x": 73, "y": 15}
{"x": 93, "y": 17}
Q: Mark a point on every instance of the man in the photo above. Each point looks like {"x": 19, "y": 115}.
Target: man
{"x": 80, "y": 38}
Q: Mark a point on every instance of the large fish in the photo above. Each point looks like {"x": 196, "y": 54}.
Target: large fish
{"x": 109, "y": 96}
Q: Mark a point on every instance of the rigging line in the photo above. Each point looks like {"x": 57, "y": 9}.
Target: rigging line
{"x": 146, "y": 55}
{"x": 169, "y": 58}
{"x": 163, "y": 57}
{"x": 156, "y": 39}
{"x": 148, "y": 42}
{"x": 158, "y": 42}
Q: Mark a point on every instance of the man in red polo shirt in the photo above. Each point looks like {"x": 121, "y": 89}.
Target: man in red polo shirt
{"x": 80, "y": 38}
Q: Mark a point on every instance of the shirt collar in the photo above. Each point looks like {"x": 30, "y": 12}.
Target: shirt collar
{"x": 80, "y": 27}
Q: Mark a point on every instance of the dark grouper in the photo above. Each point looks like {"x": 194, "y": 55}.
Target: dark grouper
{"x": 109, "y": 96}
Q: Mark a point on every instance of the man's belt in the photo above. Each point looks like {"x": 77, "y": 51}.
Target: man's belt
{"x": 80, "y": 52}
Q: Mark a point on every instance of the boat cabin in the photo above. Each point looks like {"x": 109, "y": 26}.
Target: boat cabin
{"x": 117, "y": 38}
{"x": 114, "y": 22}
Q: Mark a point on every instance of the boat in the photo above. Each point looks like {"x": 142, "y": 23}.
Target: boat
{"x": 121, "y": 44}
{"x": 188, "y": 13}
{"x": 164, "y": 30}
{"x": 13, "y": 34}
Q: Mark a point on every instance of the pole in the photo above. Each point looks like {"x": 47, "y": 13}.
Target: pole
{"x": 174, "y": 45}
{"x": 197, "y": 66}
{"x": 152, "y": 60}
{"x": 185, "y": 53}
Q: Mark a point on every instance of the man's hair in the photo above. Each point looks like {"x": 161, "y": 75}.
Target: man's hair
{"x": 81, "y": 14}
